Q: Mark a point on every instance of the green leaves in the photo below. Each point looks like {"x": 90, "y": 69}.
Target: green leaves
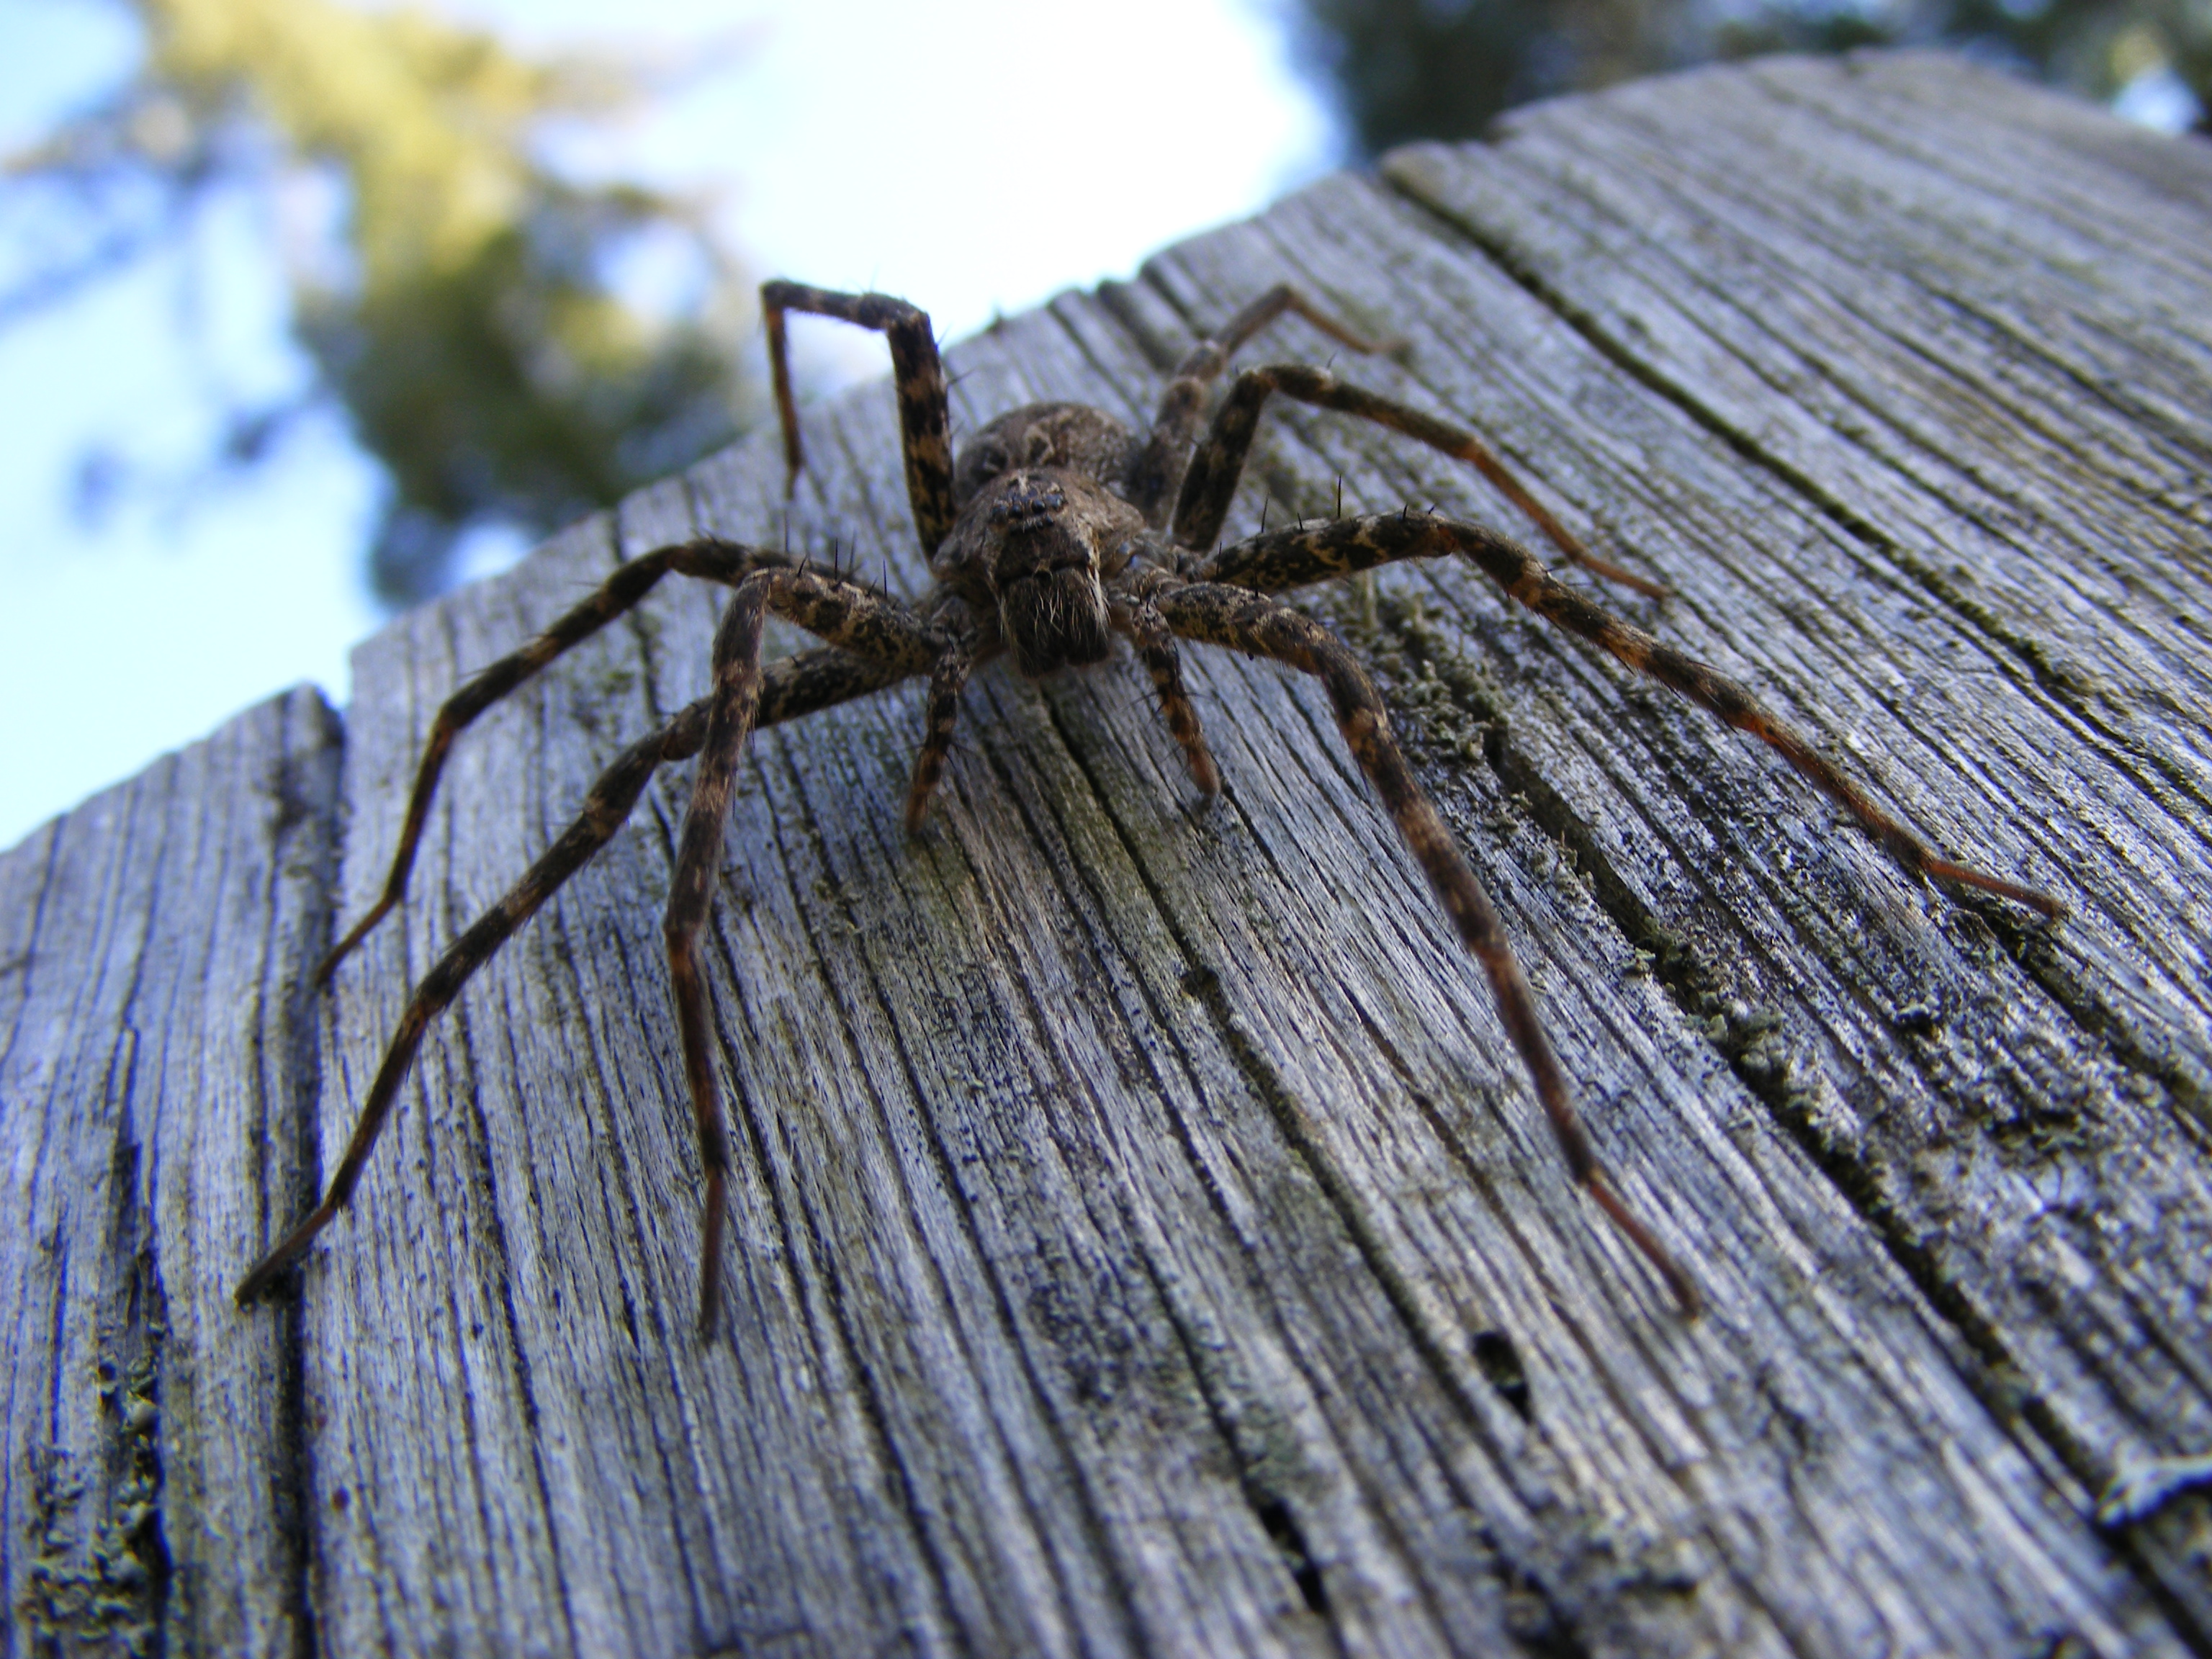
{"x": 1402, "y": 69}
{"x": 465, "y": 314}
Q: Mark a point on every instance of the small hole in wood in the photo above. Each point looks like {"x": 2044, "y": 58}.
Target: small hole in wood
{"x": 1282, "y": 1526}
{"x": 1500, "y": 1363}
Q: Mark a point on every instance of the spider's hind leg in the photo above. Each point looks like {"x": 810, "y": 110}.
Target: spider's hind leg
{"x": 790, "y": 687}
{"x": 1211, "y": 482}
{"x": 708, "y": 557}
{"x": 605, "y": 810}
{"x": 859, "y": 620}
{"x": 1261, "y": 627}
{"x": 1158, "y": 471}
{"x": 1294, "y": 557}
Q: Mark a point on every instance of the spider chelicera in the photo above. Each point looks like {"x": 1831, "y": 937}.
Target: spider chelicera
{"x": 1055, "y": 529}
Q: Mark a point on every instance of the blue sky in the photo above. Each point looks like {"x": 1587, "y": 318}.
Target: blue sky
{"x": 120, "y": 640}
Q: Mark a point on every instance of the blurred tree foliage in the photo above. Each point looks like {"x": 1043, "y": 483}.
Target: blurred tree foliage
{"x": 462, "y": 311}
{"x": 1401, "y": 69}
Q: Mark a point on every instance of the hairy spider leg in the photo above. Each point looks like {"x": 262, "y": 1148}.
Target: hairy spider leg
{"x": 946, "y": 682}
{"x": 1140, "y": 619}
{"x": 1293, "y": 558}
{"x": 1259, "y": 626}
{"x": 1210, "y": 483}
{"x": 794, "y": 686}
{"x": 876, "y": 642}
{"x": 707, "y": 558}
{"x": 1158, "y": 469}
{"x": 606, "y": 808}
{"x": 925, "y": 410}
{"x": 844, "y": 614}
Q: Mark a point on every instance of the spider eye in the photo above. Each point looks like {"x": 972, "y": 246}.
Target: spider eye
{"x": 1027, "y": 504}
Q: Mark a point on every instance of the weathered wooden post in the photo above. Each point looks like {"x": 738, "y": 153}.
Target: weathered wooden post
{"x": 1145, "y": 1240}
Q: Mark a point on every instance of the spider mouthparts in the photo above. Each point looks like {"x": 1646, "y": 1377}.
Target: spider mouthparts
{"x": 1055, "y": 619}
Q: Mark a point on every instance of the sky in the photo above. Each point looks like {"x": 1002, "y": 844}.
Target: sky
{"x": 856, "y": 143}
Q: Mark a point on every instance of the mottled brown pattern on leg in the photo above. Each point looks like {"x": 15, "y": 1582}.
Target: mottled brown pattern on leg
{"x": 1261, "y": 627}
{"x": 792, "y": 687}
{"x": 708, "y": 557}
{"x": 1211, "y": 482}
{"x": 604, "y": 811}
{"x": 1140, "y": 620}
{"x": 847, "y": 616}
{"x": 1159, "y": 472}
{"x": 1290, "y": 558}
{"x": 852, "y": 618}
{"x": 946, "y": 683}
{"x": 917, "y": 372}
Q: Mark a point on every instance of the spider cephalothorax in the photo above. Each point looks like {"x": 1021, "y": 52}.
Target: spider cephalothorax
{"x": 1058, "y": 529}
{"x": 1041, "y": 530}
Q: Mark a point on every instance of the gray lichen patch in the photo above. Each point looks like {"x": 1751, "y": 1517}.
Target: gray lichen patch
{"x": 103, "y": 1578}
{"x": 1447, "y": 710}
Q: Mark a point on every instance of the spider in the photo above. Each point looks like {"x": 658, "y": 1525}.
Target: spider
{"x": 1055, "y": 529}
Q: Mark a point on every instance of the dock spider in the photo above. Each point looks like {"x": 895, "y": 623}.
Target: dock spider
{"x": 1055, "y": 529}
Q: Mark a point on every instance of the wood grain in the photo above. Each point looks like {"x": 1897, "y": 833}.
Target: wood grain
{"x": 159, "y": 1060}
{"x": 1144, "y": 1241}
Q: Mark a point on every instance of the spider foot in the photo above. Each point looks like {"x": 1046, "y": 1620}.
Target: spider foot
{"x": 1680, "y": 1285}
{"x": 266, "y": 1274}
{"x": 1964, "y": 875}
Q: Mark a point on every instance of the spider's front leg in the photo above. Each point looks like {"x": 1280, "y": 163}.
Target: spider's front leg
{"x": 1291, "y": 558}
{"x": 925, "y": 410}
{"x": 1261, "y": 627}
{"x": 1211, "y": 482}
{"x": 859, "y": 620}
{"x": 787, "y": 688}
